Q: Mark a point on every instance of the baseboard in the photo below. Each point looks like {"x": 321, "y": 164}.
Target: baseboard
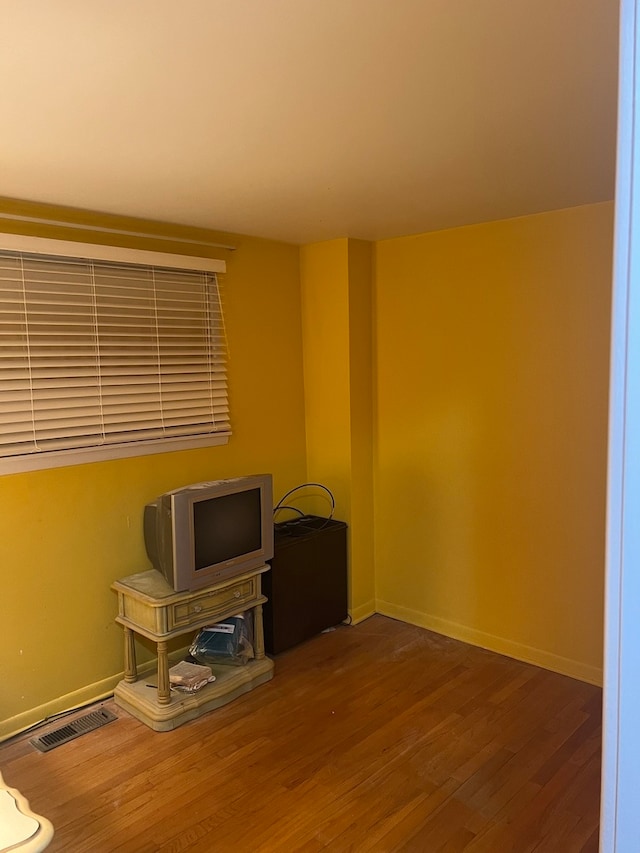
{"x": 510, "y": 648}
{"x": 103, "y": 689}
{"x": 90, "y": 693}
{"x": 95, "y": 692}
{"x": 364, "y": 611}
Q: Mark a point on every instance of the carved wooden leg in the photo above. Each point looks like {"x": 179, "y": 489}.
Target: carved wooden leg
{"x": 164, "y": 693}
{"x": 130, "y": 668}
{"x": 258, "y": 632}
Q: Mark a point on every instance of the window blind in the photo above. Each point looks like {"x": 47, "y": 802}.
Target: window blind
{"x": 96, "y": 353}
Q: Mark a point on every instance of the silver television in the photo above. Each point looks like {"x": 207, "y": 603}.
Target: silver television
{"x": 207, "y": 532}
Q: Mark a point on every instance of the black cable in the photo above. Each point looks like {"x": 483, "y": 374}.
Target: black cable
{"x": 292, "y": 508}
{"x": 52, "y": 718}
{"x": 280, "y": 503}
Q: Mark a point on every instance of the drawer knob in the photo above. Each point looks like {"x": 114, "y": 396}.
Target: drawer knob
{"x": 197, "y": 608}
{"x": 236, "y": 594}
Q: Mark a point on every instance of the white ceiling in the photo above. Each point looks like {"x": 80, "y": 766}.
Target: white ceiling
{"x": 304, "y": 120}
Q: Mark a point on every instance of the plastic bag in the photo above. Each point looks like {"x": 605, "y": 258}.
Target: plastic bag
{"x": 229, "y": 642}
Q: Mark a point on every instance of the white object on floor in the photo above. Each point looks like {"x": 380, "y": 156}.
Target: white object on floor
{"x": 20, "y": 828}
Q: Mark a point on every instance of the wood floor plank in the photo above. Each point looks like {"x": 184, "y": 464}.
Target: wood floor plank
{"x": 374, "y": 738}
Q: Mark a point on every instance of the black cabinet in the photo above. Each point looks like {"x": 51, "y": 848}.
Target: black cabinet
{"x": 307, "y": 585}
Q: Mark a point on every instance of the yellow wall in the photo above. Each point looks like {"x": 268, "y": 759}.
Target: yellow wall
{"x": 67, "y": 533}
{"x": 336, "y": 282}
{"x": 487, "y": 401}
{"x": 362, "y": 534}
{"x": 491, "y": 386}
{"x": 324, "y": 277}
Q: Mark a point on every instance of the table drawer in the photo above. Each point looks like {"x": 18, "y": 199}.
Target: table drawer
{"x": 212, "y": 603}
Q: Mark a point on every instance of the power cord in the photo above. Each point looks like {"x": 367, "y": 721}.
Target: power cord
{"x": 281, "y": 503}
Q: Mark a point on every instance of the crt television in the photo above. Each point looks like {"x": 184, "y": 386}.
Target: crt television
{"x": 207, "y": 532}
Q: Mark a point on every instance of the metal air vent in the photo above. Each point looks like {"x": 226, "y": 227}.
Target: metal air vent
{"x": 69, "y": 731}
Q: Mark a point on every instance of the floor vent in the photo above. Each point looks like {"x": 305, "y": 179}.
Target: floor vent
{"x": 69, "y": 731}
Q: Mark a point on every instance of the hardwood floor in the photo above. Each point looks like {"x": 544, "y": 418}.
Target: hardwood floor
{"x": 378, "y": 737}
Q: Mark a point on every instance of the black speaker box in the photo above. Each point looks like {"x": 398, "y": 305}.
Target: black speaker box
{"x": 307, "y": 585}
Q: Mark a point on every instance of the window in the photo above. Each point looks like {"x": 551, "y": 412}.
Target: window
{"x": 101, "y": 358}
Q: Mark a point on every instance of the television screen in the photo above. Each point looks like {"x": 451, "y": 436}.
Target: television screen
{"x": 226, "y": 527}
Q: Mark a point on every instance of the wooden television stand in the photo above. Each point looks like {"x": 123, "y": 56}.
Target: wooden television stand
{"x": 148, "y": 606}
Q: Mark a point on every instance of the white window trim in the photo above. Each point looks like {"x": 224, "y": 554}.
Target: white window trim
{"x": 93, "y": 251}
